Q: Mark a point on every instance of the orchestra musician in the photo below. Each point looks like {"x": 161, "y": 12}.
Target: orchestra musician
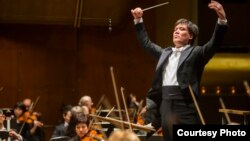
{"x": 34, "y": 119}
{"x": 18, "y": 121}
{"x": 26, "y": 123}
{"x": 133, "y": 106}
{"x": 87, "y": 101}
{"x": 60, "y": 130}
{"x": 29, "y": 104}
{"x": 80, "y": 122}
{"x": 2, "y": 118}
{"x": 14, "y": 136}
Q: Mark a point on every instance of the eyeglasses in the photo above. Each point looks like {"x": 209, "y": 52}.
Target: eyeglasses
{"x": 2, "y": 116}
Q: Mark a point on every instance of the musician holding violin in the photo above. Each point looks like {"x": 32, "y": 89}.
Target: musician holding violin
{"x": 27, "y": 123}
{"x": 33, "y": 119}
{"x": 82, "y": 132}
{"x": 17, "y": 122}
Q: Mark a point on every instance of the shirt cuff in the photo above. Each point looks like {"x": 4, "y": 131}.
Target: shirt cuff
{"x": 136, "y": 21}
{"x": 222, "y": 22}
{"x": 20, "y": 138}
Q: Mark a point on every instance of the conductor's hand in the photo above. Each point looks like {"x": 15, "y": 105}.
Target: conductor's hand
{"x": 137, "y": 13}
{"x": 218, "y": 8}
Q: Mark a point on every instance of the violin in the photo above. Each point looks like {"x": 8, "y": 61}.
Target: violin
{"x": 93, "y": 136}
{"x": 140, "y": 120}
{"x": 28, "y": 117}
{"x": 92, "y": 110}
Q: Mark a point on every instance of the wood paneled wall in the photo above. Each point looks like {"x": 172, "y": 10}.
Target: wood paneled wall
{"x": 60, "y": 64}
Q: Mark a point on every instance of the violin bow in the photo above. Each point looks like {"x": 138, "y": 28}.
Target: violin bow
{"x": 92, "y": 121}
{"x": 126, "y": 109}
{"x": 196, "y": 105}
{"x": 112, "y": 109}
{"x": 116, "y": 95}
{"x": 32, "y": 107}
{"x": 124, "y": 123}
{"x": 224, "y": 107}
{"x": 137, "y": 113}
{"x": 100, "y": 100}
{"x": 247, "y": 87}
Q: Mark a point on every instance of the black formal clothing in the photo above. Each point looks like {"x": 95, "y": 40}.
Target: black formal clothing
{"x": 178, "y": 108}
{"x": 60, "y": 130}
{"x": 75, "y": 138}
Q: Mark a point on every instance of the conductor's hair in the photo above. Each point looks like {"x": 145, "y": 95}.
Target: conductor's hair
{"x": 192, "y": 28}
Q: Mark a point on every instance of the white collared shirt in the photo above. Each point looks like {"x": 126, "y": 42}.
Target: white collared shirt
{"x": 170, "y": 69}
{"x": 3, "y": 129}
{"x": 66, "y": 124}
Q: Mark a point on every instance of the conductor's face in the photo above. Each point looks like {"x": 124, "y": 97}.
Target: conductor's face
{"x": 181, "y": 35}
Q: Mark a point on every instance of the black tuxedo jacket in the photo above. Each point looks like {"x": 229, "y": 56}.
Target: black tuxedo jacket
{"x": 60, "y": 130}
{"x": 191, "y": 64}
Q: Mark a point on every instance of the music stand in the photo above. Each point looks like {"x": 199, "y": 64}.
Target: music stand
{"x": 7, "y": 111}
{"x": 60, "y": 138}
{"x": 4, "y": 134}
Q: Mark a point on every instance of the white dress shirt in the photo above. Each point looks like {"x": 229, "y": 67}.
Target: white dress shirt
{"x": 170, "y": 68}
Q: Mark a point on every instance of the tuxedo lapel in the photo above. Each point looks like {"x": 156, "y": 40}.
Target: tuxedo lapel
{"x": 184, "y": 55}
{"x": 164, "y": 56}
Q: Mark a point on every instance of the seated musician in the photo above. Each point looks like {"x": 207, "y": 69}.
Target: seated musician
{"x": 82, "y": 132}
{"x": 60, "y": 129}
{"x": 36, "y": 131}
{"x": 87, "y": 101}
{"x": 2, "y": 118}
{"x": 27, "y": 124}
{"x": 12, "y": 134}
{"x": 15, "y": 136}
{"x": 150, "y": 115}
{"x": 133, "y": 106}
{"x": 18, "y": 122}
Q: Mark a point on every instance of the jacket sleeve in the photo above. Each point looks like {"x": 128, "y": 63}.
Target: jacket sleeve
{"x": 154, "y": 49}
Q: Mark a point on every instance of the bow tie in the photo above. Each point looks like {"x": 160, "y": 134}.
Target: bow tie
{"x": 177, "y": 49}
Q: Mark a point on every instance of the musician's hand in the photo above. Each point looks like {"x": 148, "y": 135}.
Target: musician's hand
{"x": 14, "y": 135}
{"x": 137, "y": 13}
{"x": 38, "y": 123}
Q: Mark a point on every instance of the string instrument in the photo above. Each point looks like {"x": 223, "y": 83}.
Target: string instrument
{"x": 92, "y": 110}
{"x": 139, "y": 114}
{"x": 93, "y": 127}
{"x": 30, "y": 117}
{"x": 159, "y": 132}
{"x": 140, "y": 120}
{"x": 93, "y": 136}
{"x": 120, "y": 122}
